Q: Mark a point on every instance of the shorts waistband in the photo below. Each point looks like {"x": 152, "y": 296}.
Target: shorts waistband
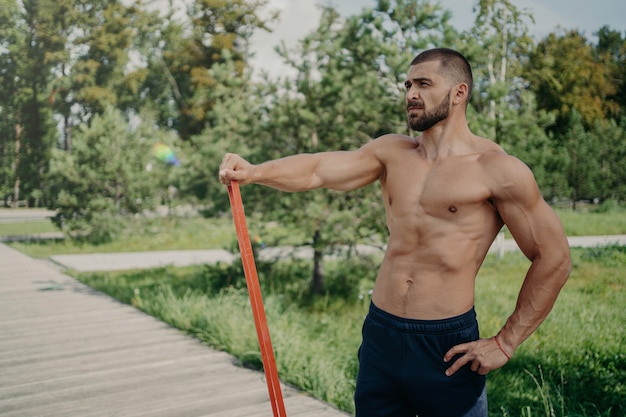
{"x": 402, "y": 324}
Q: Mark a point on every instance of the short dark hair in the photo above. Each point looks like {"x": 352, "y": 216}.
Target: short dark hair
{"x": 453, "y": 63}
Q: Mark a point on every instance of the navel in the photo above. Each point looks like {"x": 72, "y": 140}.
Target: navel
{"x": 390, "y": 201}
{"x": 406, "y": 297}
{"x": 452, "y": 209}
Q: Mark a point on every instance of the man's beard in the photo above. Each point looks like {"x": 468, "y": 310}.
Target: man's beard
{"x": 431, "y": 118}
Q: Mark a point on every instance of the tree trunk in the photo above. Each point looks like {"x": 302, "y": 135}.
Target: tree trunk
{"x": 574, "y": 178}
{"x": 318, "y": 267}
{"x": 16, "y": 166}
{"x": 67, "y": 135}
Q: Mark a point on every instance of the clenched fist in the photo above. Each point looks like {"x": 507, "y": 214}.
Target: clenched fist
{"x": 235, "y": 168}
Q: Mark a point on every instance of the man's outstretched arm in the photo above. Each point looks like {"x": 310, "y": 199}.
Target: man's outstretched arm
{"x": 341, "y": 170}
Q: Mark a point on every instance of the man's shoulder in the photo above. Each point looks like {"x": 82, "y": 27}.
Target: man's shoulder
{"x": 506, "y": 174}
{"x": 396, "y": 138}
{"x": 494, "y": 157}
{"x": 391, "y": 142}
{"x": 383, "y": 147}
{"x": 488, "y": 148}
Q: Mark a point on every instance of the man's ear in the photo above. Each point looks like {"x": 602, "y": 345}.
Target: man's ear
{"x": 461, "y": 93}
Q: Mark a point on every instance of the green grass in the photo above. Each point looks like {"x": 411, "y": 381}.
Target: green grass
{"x": 574, "y": 365}
{"x": 157, "y": 234}
{"x": 593, "y": 221}
{"x": 146, "y": 235}
{"x": 26, "y": 228}
{"x": 589, "y": 223}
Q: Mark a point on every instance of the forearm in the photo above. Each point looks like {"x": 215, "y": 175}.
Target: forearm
{"x": 537, "y": 296}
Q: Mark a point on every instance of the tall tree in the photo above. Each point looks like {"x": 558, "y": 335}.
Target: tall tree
{"x": 70, "y": 59}
{"x": 609, "y": 141}
{"x": 497, "y": 46}
{"x": 29, "y": 60}
{"x": 234, "y": 123}
{"x": 566, "y": 74}
{"x": 95, "y": 68}
{"x": 185, "y": 50}
{"x": 611, "y": 50}
{"x": 583, "y": 171}
{"x": 574, "y": 80}
{"x": 12, "y": 40}
{"x": 68, "y": 16}
{"x": 103, "y": 41}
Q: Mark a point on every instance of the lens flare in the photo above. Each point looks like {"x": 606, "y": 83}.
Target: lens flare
{"x": 164, "y": 153}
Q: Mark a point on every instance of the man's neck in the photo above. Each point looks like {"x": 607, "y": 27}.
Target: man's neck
{"x": 445, "y": 139}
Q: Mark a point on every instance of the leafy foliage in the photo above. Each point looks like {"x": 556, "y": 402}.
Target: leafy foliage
{"x": 557, "y": 104}
{"x": 181, "y": 53}
{"x": 567, "y": 75}
{"x": 103, "y": 177}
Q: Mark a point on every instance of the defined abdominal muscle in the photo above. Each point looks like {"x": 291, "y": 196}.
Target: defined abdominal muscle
{"x": 423, "y": 292}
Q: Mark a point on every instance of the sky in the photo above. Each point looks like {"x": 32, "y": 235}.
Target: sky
{"x": 300, "y": 17}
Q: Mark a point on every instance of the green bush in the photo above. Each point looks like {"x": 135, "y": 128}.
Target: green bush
{"x": 109, "y": 173}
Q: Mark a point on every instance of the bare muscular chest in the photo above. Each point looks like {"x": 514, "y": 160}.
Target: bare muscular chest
{"x": 452, "y": 189}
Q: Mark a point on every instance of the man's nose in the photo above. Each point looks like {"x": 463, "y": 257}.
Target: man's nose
{"x": 413, "y": 93}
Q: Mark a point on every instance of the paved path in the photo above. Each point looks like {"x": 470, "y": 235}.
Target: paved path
{"x": 138, "y": 260}
{"x": 25, "y": 215}
{"x": 67, "y": 350}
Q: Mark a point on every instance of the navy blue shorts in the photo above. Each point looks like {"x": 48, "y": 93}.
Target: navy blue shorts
{"x": 402, "y": 372}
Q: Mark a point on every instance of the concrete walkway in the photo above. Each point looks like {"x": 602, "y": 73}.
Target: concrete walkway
{"x": 67, "y": 350}
{"x": 139, "y": 260}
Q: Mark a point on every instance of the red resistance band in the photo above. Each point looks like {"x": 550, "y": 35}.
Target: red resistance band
{"x": 256, "y": 300}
